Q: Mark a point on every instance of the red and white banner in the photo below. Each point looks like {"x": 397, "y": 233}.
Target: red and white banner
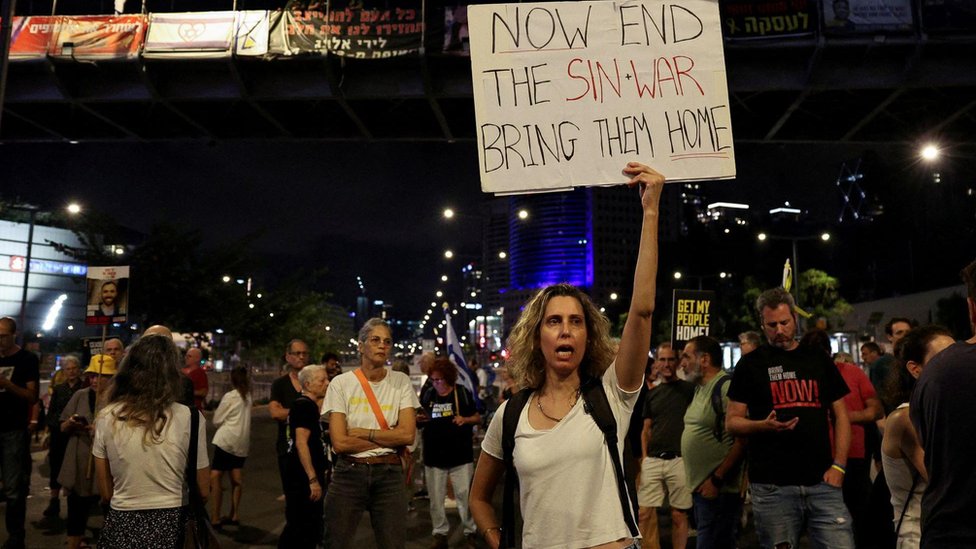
{"x": 32, "y": 36}
{"x": 100, "y": 37}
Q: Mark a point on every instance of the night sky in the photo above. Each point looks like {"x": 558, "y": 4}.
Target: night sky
{"x": 373, "y": 209}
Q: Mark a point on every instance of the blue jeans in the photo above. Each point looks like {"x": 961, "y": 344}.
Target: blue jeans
{"x": 781, "y": 511}
{"x": 437, "y": 489}
{"x": 717, "y": 520}
{"x": 356, "y": 487}
{"x": 14, "y": 463}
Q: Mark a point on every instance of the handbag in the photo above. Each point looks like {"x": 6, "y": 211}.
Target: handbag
{"x": 198, "y": 533}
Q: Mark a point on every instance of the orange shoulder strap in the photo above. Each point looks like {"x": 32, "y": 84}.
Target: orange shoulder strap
{"x": 371, "y": 398}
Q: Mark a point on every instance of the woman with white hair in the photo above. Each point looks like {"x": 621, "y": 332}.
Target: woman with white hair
{"x": 305, "y": 468}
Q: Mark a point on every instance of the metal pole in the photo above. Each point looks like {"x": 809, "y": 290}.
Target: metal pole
{"x": 796, "y": 275}
{"x": 6, "y": 30}
{"x": 23, "y": 299}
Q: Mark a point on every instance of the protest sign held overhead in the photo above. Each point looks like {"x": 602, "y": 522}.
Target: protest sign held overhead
{"x": 692, "y": 316}
{"x": 567, "y": 92}
{"x": 108, "y": 295}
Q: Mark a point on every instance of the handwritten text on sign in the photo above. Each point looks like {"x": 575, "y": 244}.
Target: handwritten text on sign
{"x": 567, "y": 92}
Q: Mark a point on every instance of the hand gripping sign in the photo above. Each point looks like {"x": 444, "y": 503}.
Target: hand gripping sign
{"x": 567, "y": 92}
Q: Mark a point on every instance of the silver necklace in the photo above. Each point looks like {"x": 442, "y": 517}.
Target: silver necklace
{"x": 538, "y": 404}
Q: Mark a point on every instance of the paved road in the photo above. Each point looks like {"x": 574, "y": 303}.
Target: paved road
{"x": 262, "y": 514}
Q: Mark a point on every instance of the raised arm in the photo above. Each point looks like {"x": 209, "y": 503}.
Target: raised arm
{"x": 635, "y": 341}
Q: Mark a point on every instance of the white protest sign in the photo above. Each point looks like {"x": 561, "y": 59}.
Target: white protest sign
{"x": 566, "y": 93}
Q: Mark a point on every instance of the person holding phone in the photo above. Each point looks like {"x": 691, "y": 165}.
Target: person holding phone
{"x": 77, "y": 476}
{"x": 782, "y": 398}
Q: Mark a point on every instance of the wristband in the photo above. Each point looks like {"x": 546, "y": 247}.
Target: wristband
{"x": 371, "y": 435}
{"x": 313, "y": 480}
{"x": 838, "y": 467}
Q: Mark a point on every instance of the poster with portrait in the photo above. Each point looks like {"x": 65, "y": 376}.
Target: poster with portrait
{"x": 108, "y": 295}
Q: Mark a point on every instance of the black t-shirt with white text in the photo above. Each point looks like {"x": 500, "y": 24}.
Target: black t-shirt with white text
{"x": 448, "y": 445}
{"x": 801, "y": 383}
{"x": 14, "y": 412}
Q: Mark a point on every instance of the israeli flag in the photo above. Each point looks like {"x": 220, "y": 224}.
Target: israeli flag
{"x": 455, "y": 353}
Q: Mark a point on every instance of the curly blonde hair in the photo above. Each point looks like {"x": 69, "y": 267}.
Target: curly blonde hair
{"x": 527, "y": 365}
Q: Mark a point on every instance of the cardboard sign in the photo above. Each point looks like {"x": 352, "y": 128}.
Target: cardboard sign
{"x": 566, "y": 93}
{"x": 692, "y": 315}
{"x": 108, "y": 295}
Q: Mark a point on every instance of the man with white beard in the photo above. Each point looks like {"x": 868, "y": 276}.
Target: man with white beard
{"x": 712, "y": 456}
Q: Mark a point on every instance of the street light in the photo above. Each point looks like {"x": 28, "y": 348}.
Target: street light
{"x": 74, "y": 208}
{"x": 824, "y": 236}
{"x": 502, "y": 255}
{"x": 523, "y": 214}
{"x": 448, "y": 213}
{"x": 448, "y": 254}
{"x": 930, "y": 152}
{"x": 443, "y": 278}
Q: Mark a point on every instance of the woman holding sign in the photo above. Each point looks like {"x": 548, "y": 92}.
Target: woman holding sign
{"x": 572, "y": 492}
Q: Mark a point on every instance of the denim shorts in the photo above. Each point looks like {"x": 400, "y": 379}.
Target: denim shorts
{"x": 781, "y": 511}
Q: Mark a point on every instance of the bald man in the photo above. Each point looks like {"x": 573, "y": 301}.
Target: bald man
{"x": 115, "y": 349}
{"x": 192, "y": 361}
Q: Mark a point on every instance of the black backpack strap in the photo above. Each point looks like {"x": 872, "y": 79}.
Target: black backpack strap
{"x": 191, "y": 456}
{"x": 513, "y": 409}
{"x": 596, "y": 404}
{"x": 719, "y": 428}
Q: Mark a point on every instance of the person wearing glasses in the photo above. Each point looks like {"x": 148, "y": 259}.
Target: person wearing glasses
{"x": 372, "y": 417}
{"x": 448, "y": 439}
{"x": 284, "y": 391}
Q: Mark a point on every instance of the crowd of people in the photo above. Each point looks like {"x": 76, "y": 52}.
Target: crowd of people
{"x": 595, "y": 436}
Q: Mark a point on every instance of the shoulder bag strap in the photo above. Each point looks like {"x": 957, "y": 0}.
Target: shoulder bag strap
{"x": 371, "y": 398}
{"x": 908, "y": 500}
{"x": 719, "y": 428}
{"x": 191, "y": 457}
{"x": 510, "y": 421}
{"x": 596, "y": 404}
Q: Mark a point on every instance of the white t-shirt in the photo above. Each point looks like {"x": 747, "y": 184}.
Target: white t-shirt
{"x": 345, "y": 395}
{"x": 568, "y": 488}
{"x": 148, "y": 476}
{"x": 233, "y": 421}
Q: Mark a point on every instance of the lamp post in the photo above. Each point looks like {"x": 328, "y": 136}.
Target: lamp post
{"x": 32, "y": 210}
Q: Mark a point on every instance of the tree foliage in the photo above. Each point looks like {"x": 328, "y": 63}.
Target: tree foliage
{"x": 178, "y": 281}
{"x": 820, "y": 296}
